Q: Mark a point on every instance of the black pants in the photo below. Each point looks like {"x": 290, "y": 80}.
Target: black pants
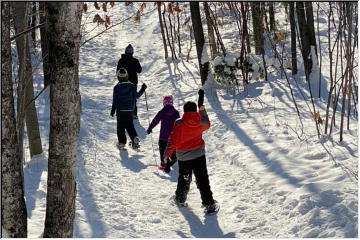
{"x": 198, "y": 166}
{"x": 125, "y": 122}
{"x": 162, "y": 148}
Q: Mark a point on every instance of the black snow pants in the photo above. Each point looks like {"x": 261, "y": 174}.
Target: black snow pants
{"x": 162, "y": 148}
{"x": 198, "y": 166}
{"x": 125, "y": 122}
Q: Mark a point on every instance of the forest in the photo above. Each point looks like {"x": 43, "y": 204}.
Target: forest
{"x": 281, "y": 91}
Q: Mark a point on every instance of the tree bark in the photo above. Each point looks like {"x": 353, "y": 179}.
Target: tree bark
{"x": 199, "y": 39}
{"x": 26, "y": 80}
{"x": 293, "y": 38}
{"x": 258, "y": 28}
{"x": 64, "y": 20}
{"x": 305, "y": 39}
{"x": 44, "y": 45}
{"x": 272, "y": 16}
{"x": 310, "y": 23}
{"x": 212, "y": 42}
{"x": 13, "y": 208}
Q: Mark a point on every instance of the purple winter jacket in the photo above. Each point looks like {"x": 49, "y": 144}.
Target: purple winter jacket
{"x": 167, "y": 115}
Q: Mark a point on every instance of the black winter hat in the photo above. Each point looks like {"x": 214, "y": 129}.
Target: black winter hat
{"x": 190, "y": 107}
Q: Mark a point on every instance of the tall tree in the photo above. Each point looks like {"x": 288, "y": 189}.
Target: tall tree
{"x": 212, "y": 42}
{"x": 26, "y": 78}
{"x": 293, "y": 38}
{"x": 310, "y": 23}
{"x": 199, "y": 39}
{"x": 258, "y": 27}
{"x": 44, "y": 45}
{"x": 13, "y": 208}
{"x": 162, "y": 29}
{"x": 272, "y": 16}
{"x": 304, "y": 37}
{"x": 63, "y": 19}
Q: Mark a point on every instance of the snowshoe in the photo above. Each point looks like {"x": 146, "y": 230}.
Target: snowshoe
{"x": 135, "y": 144}
{"x": 174, "y": 200}
{"x": 161, "y": 167}
{"x": 212, "y": 208}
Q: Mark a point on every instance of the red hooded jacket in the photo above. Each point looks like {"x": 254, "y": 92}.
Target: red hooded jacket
{"x": 187, "y": 132}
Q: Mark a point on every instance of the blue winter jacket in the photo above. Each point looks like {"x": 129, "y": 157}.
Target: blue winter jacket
{"x": 124, "y": 96}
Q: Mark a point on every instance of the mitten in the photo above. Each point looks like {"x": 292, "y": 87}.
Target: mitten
{"x": 201, "y": 98}
{"x": 148, "y": 131}
{"x": 144, "y": 86}
{"x": 112, "y": 113}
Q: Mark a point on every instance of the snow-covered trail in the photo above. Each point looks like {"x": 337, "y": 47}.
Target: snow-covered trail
{"x": 266, "y": 184}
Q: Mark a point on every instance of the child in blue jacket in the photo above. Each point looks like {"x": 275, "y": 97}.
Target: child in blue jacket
{"x": 124, "y": 98}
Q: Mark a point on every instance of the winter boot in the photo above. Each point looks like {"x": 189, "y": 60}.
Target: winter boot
{"x": 135, "y": 143}
{"x": 121, "y": 146}
{"x": 174, "y": 200}
{"x": 212, "y": 209}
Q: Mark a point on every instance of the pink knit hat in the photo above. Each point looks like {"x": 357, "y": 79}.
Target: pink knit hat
{"x": 168, "y": 100}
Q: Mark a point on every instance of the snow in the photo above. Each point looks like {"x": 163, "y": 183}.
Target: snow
{"x": 270, "y": 180}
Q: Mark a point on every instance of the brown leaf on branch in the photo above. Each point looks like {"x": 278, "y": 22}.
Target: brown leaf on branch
{"x": 128, "y": 3}
{"x": 112, "y": 4}
{"x": 96, "y": 5}
{"x": 158, "y": 4}
{"x": 142, "y": 7}
{"x": 177, "y": 8}
{"x": 98, "y": 19}
{"x": 137, "y": 16}
{"x": 85, "y": 7}
{"x": 107, "y": 21}
{"x": 104, "y": 6}
{"x": 170, "y": 8}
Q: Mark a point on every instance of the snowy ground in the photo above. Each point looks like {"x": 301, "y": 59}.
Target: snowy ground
{"x": 269, "y": 183}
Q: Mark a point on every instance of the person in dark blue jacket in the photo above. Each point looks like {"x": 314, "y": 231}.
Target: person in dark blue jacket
{"x": 132, "y": 66}
{"x": 123, "y": 104}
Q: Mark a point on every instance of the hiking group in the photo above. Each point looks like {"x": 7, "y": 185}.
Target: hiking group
{"x": 180, "y": 139}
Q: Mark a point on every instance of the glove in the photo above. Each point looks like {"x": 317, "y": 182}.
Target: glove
{"x": 144, "y": 86}
{"x": 148, "y": 131}
{"x": 201, "y": 93}
{"x": 112, "y": 113}
{"x": 201, "y": 98}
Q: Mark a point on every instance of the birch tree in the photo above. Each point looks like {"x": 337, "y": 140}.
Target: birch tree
{"x": 13, "y": 208}
{"x": 63, "y": 19}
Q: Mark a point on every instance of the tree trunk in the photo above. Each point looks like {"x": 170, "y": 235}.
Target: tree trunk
{"x": 272, "y": 16}
{"x": 305, "y": 39}
{"x": 199, "y": 39}
{"x": 310, "y": 23}
{"x": 258, "y": 28}
{"x": 64, "y": 20}
{"x": 212, "y": 42}
{"x": 13, "y": 208}
{"x": 293, "y": 38}
{"x": 26, "y": 79}
{"x": 44, "y": 45}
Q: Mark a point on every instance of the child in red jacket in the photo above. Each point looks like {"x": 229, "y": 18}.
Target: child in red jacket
{"x": 186, "y": 139}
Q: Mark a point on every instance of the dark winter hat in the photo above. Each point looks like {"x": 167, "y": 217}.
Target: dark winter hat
{"x": 190, "y": 107}
{"x": 122, "y": 74}
{"x": 129, "y": 49}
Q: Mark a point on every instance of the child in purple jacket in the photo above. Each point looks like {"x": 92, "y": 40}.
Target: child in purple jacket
{"x": 167, "y": 115}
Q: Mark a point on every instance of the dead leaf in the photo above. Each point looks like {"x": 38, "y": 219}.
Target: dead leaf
{"x": 85, "y": 7}
{"x": 104, "y": 6}
{"x": 96, "y": 5}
